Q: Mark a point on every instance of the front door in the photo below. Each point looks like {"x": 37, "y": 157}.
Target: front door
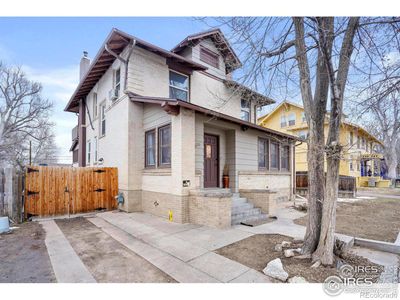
{"x": 211, "y": 161}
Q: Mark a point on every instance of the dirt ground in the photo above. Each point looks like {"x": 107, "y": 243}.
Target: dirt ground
{"x": 377, "y": 219}
{"x": 257, "y": 250}
{"x": 23, "y": 255}
{"x": 107, "y": 259}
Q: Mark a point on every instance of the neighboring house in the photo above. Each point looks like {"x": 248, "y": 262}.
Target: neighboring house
{"x": 361, "y": 156}
{"x": 173, "y": 122}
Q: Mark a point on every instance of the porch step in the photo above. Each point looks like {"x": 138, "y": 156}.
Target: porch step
{"x": 244, "y": 211}
{"x": 238, "y": 201}
{"x": 241, "y": 207}
{"x": 253, "y": 219}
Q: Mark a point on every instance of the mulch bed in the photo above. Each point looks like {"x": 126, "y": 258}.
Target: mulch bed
{"x": 257, "y": 250}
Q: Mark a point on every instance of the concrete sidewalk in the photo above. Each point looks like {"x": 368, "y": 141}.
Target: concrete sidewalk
{"x": 183, "y": 251}
{"x": 66, "y": 264}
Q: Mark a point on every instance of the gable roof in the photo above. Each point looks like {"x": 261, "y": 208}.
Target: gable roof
{"x": 285, "y": 102}
{"x": 232, "y": 61}
{"x": 268, "y": 115}
{"x": 116, "y": 41}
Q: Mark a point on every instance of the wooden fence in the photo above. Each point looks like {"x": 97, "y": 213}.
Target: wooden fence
{"x": 51, "y": 191}
{"x": 347, "y": 185}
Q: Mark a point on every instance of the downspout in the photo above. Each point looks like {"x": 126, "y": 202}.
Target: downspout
{"x": 124, "y": 61}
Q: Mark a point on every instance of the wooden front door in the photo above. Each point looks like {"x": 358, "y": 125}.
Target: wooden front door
{"x": 211, "y": 161}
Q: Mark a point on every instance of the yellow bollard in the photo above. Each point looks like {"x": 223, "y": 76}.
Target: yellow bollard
{"x": 170, "y": 215}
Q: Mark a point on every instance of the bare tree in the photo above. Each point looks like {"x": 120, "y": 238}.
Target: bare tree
{"x": 24, "y": 117}
{"x": 314, "y": 56}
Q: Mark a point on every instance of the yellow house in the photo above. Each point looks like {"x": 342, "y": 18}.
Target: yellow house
{"x": 361, "y": 156}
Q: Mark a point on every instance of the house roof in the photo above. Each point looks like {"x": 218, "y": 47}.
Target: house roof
{"x": 268, "y": 115}
{"x": 249, "y": 93}
{"x": 172, "y": 106}
{"x": 355, "y": 126}
{"x": 232, "y": 61}
{"x": 116, "y": 41}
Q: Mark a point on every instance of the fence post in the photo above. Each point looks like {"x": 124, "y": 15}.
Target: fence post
{"x": 13, "y": 194}
{"x": 2, "y": 205}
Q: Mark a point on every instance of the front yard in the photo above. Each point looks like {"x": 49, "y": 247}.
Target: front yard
{"x": 377, "y": 219}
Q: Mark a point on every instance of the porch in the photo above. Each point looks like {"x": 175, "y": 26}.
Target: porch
{"x": 372, "y": 171}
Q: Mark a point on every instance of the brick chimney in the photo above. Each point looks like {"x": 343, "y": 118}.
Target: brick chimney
{"x": 84, "y": 65}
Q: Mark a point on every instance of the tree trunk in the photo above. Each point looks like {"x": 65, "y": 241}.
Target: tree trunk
{"x": 391, "y": 162}
{"x": 324, "y": 252}
{"x": 316, "y": 187}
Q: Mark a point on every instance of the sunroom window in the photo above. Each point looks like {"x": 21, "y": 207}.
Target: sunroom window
{"x": 178, "y": 86}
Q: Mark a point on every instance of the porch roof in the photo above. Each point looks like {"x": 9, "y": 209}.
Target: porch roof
{"x": 172, "y": 106}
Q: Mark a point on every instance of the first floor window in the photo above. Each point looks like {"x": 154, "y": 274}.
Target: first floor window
{"x": 263, "y": 153}
{"x": 88, "y": 152}
{"x": 274, "y": 155}
{"x": 178, "y": 86}
{"x": 285, "y": 158}
{"x": 164, "y": 145}
{"x": 150, "y": 148}
{"x": 103, "y": 119}
{"x": 245, "y": 110}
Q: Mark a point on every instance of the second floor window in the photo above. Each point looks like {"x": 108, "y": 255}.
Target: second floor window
{"x": 94, "y": 105}
{"x": 178, "y": 86}
{"x": 292, "y": 119}
{"x": 245, "y": 110}
{"x": 351, "y": 139}
{"x": 103, "y": 119}
{"x": 117, "y": 85}
{"x": 358, "y": 142}
{"x": 303, "y": 134}
{"x": 283, "y": 121}
{"x": 303, "y": 117}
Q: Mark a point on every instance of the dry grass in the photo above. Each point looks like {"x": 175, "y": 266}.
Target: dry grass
{"x": 377, "y": 219}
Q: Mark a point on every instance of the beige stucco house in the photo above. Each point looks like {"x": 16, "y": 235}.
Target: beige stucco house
{"x": 174, "y": 122}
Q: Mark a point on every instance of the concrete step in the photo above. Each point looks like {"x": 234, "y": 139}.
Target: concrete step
{"x": 246, "y": 213}
{"x": 238, "y": 201}
{"x": 235, "y": 195}
{"x": 242, "y": 207}
{"x": 256, "y": 218}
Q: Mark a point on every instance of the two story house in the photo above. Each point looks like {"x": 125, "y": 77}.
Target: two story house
{"x": 173, "y": 123}
{"x": 361, "y": 156}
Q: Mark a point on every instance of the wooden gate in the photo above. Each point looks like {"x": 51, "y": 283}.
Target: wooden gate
{"x": 51, "y": 191}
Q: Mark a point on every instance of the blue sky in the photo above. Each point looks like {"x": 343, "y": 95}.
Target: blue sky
{"x": 49, "y": 50}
